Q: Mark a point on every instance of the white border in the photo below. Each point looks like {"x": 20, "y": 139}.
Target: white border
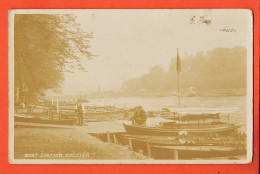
{"x": 62, "y": 161}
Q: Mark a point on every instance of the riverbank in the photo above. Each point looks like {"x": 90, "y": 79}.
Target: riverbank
{"x": 56, "y": 143}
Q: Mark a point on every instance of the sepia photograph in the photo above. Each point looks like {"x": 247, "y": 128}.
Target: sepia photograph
{"x": 146, "y": 86}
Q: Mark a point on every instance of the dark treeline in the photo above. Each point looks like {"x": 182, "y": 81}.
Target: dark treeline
{"x": 220, "y": 68}
{"x": 46, "y": 46}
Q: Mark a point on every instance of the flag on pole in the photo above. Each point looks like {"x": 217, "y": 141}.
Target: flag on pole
{"x": 98, "y": 93}
{"x": 58, "y": 111}
{"x": 178, "y": 62}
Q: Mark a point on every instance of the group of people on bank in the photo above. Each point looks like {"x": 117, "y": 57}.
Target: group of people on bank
{"x": 139, "y": 117}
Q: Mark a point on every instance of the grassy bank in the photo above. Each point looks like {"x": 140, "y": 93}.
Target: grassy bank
{"x": 54, "y": 143}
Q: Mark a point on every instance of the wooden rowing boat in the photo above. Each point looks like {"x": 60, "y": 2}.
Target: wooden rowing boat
{"x": 32, "y": 119}
{"x": 161, "y": 131}
{"x": 195, "y": 152}
{"x": 174, "y": 147}
{"x": 187, "y": 141}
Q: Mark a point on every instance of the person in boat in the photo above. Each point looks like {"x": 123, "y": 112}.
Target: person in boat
{"x": 133, "y": 118}
{"x": 142, "y": 115}
{"x": 126, "y": 115}
{"x": 139, "y": 117}
{"x": 80, "y": 112}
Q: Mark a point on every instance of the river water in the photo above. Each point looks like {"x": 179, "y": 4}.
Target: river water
{"x": 157, "y": 103}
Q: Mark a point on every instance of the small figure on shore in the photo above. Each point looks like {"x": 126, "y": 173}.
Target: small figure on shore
{"x": 80, "y": 112}
{"x": 139, "y": 117}
{"x": 126, "y": 115}
{"x": 133, "y": 118}
{"x": 23, "y": 105}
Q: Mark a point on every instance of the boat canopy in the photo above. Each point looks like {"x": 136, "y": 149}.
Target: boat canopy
{"x": 106, "y": 103}
{"x": 98, "y": 104}
{"x": 199, "y": 111}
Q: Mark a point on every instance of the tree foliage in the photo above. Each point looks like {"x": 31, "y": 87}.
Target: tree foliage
{"x": 45, "y": 46}
{"x": 220, "y": 68}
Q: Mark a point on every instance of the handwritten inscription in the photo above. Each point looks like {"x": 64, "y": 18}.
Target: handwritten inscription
{"x": 200, "y": 20}
{"x": 227, "y": 29}
{"x": 205, "y": 20}
{"x": 192, "y": 20}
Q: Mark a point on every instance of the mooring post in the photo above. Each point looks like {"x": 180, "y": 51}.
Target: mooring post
{"x": 60, "y": 116}
{"x": 115, "y": 140}
{"x": 228, "y": 119}
{"x": 108, "y": 136}
{"x": 51, "y": 115}
{"x": 148, "y": 149}
{"x": 48, "y": 112}
{"x": 130, "y": 144}
{"x": 175, "y": 154}
{"x": 141, "y": 151}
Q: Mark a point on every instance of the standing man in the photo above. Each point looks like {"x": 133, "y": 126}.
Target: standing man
{"x": 142, "y": 115}
{"x": 139, "y": 117}
{"x": 126, "y": 115}
{"x": 80, "y": 112}
{"x": 135, "y": 116}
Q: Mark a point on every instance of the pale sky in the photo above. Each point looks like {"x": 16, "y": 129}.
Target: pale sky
{"x": 129, "y": 42}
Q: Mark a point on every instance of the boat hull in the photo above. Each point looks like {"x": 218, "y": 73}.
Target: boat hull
{"x": 158, "y": 131}
{"x": 44, "y": 121}
{"x": 197, "y": 152}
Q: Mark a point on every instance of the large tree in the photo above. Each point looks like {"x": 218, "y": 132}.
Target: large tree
{"x": 45, "y": 46}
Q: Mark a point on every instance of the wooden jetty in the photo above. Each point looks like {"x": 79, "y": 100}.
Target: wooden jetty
{"x": 40, "y": 125}
{"x": 104, "y": 127}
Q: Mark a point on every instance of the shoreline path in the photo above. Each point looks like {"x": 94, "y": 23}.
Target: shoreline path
{"x": 58, "y": 143}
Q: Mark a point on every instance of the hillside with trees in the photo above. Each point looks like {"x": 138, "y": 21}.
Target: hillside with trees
{"x": 217, "y": 69}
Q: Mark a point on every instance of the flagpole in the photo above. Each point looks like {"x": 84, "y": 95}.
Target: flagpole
{"x": 98, "y": 93}
{"x": 179, "y": 99}
{"x": 178, "y": 70}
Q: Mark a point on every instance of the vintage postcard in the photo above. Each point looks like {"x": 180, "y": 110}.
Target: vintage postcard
{"x": 162, "y": 86}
